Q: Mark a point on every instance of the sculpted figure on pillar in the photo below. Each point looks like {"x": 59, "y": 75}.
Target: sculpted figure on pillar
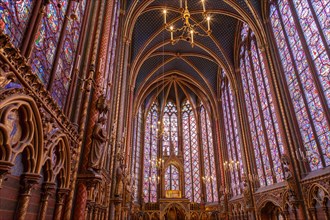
{"x": 6, "y": 76}
{"x": 97, "y": 148}
{"x": 289, "y": 178}
{"x": 247, "y": 192}
{"x": 119, "y": 180}
{"x": 128, "y": 189}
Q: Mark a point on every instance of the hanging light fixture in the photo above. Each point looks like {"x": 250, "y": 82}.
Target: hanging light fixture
{"x": 190, "y": 28}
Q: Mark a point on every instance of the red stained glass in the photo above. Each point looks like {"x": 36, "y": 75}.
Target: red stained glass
{"x": 305, "y": 89}
{"x": 150, "y": 156}
{"x": 14, "y": 18}
{"x": 68, "y": 52}
{"x": 191, "y": 154}
{"x": 47, "y": 39}
{"x": 266, "y": 140}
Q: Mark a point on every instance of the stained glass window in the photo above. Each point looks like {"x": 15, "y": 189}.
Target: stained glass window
{"x": 303, "y": 46}
{"x": 233, "y": 162}
{"x": 150, "y": 155}
{"x": 47, "y": 39}
{"x": 136, "y": 153}
{"x": 191, "y": 154}
{"x": 266, "y": 140}
{"x": 172, "y": 178}
{"x": 170, "y": 122}
{"x": 68, "y": 53}
{"x": 14, "y": 18}
{"x": 209, "y": 177}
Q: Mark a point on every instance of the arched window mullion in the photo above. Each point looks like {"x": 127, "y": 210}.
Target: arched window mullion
{"x": 208, "y": 122}
{"x": 268, "y": 101}
{"x": 230, "y": 151}
{"x": 191, "y": 159}
{"x": 208, "y": 150}
{"x": 261, "y": 113}
{"x": 237, "y": 173}
{"x": 300, "y": 86}
{"x": 318, "y": 25}
{"x": 254, "y": 120}
{"x": 270, "y": 113}
{"x": 311, "y": 63}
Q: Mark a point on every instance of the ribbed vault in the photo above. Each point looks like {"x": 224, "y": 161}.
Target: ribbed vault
{"x": 153, "y": 56}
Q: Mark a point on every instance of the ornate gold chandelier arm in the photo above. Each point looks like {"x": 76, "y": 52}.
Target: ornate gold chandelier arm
{"x": 188, "y": 29}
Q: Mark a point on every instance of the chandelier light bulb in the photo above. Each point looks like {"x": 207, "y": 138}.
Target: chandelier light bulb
{"x": 208, "y": 23}
{"x": 165, "y": 12}
{"x": 203, "y": 3}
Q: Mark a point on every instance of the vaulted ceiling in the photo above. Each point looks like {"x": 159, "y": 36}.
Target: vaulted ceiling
{"x": 153, "y": 59}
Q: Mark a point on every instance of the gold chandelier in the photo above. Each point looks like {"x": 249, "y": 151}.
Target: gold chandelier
{"x": 189, "y": 28}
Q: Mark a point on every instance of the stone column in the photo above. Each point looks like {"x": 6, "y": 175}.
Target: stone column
{"x": 81, "y": 202}
{"x": 48, "y": 189}
{"x": 28, "y": 182}
{"x": 61, "y": 194}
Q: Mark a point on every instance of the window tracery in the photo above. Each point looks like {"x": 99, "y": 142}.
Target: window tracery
{"x": 14, "y": 18}
{"x": 172, "y": 178}
{"x": 150, "y": 155}
{"x": 68, "y": 52}
{"x": 136, "y": 153}
{"x": 264, "y": 128}
{"x": 234, "y": 150}
{"x": 47, "y": 39}
{"x": 302, "y": 31}
{"x": 191, "y": 154}
{"x": 208, "y": 156}
{"x": 170, "y": 122}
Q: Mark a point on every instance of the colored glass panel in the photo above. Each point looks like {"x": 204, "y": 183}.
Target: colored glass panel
{"x": 136, "y": 154}
{"x": 234, "y": 154}
{"x": 68, "y": 52}
{"x": 266, "y": 140}
{"x": 150, "y": 156}
{"x": 191, "y": 154}
{"x": 209, "y": 157}
{"x": 170, "y": 122}
{"x": 14, "y": 18}
{"x": 298, "y": 70}
{"x": 47, "y": 39}
{"x": 172, "y": 178}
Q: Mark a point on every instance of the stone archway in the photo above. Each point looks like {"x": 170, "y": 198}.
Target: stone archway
{"x": 174, "y": 212}
{"x": 270, "y": 211}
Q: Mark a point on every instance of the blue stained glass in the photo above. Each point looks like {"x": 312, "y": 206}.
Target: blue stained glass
{"x": 14, "y": 18}
{"x": 68, "y": 53}
{"x": 47, "y": 39}
{"x": 306, "y": 98}
{"x": 266, "y": 140}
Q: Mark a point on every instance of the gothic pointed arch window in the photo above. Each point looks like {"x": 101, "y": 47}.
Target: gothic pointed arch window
{"x": 14, "y": 18}
{"x": 150, "y": 155}
{"x": 209, "y": 176}
{"x": 47, "y": 39}
{"x": 301, "y": 30}
{"x": 170, "y": 123}
{"x": 266, "y": 141}
{"x": 191, "y": 153}
{"x": 234, "y": 163}
{"x": 172, "y": 178}
{"x": 136, "y": 153}
{"x": 68, "y": 52}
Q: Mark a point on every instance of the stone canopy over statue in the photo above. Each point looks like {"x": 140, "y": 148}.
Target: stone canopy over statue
{"x": 97, "y": 147}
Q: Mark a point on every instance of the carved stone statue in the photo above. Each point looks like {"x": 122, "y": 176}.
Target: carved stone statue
{"x": 119, "y": 180}
{"x": 246, "y": 192}
{"x": 6, "y": 76}
{"x": 289, "y": 178}
{"x": 97, "y": 148}
{"x": 128, "y": 189}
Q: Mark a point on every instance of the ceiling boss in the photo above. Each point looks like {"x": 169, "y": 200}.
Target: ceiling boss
{"x": 191, "y": 27}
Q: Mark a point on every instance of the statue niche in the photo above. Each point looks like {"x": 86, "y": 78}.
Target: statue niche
{"x": 97, "y": 146}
